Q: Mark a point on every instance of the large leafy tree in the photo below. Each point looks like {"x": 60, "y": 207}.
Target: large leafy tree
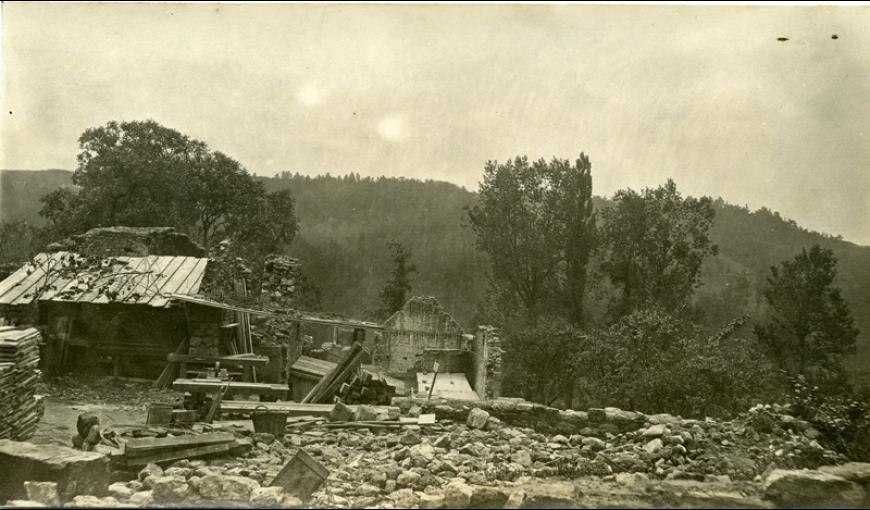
{"x": 655, "y": 242}
{"x": 143, "y": 174}
{"x": 536, "y": 224}
{"x": 810, "y": 325}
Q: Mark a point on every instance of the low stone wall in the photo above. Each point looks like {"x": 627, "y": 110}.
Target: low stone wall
{"x": 543, "y": 419}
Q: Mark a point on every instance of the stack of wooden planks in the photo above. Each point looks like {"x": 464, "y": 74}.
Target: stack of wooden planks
{"x": 140, "y": 452}
{"x": 327, "y": 388}
{"x": 367, "y": 387}
{"x": 20, "y": 408}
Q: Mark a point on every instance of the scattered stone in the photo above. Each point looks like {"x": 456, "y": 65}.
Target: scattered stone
{"x": 477, "y": 418}
{"x": 457, "y": 494}
{"x": 522, "y": 458}
{"x": 405, "y": 498}
{"x": 263, "y": 438}
{"x": 150, "y": 470}
{"x": 121, "y": 490}
{"x": 594, "y": 443}
{"x": 226, "y": 487}
{"x": 431, "y": 501}
{"x": 340, "y": 412}
{"x": 367, "y": 490}
{"x": 365, "y": 413}
{"x": 653, "y": 446}
{"x": 169, "y": 487}
{"x": 142, "y": 499}
{"x": 407, "y": 479}
{"x": 655, "y": 431}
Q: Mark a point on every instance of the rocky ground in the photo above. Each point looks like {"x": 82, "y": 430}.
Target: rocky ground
{"x": 482, "y": 462}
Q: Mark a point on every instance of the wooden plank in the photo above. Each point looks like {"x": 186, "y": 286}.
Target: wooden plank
{"x": 134, "y": 283}
{"x": 240, "y": 388}
{"x": 193, "y": 280}
{"x": 330, "y": 389}
{"x": 327, "y": 379}
{"x": 292, "y": 408}
{"x": 146, "y": 445}
{"x": 186, "y": 453}
{"x": 180, "y": 275}
{"x": 224, "y": 360}
{"x": 18, "y": 277}
{"x": 168, "y": 272}
{"x": 154, "y": 281}
{"x": 32, "y": 282}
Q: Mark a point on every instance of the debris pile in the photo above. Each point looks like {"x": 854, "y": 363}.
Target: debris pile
{"x": 20, "y": 408}
{"x": 367, "y": 387}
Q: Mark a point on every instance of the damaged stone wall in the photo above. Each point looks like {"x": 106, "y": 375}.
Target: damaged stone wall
{"x": 131, "y": 242}
{"x": 280, "y": 282}
{"x": 421, "y": 324}
{"x": 487, "y": 360}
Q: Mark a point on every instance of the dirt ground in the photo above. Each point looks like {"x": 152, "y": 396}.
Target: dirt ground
{"x": 120, "y": 402}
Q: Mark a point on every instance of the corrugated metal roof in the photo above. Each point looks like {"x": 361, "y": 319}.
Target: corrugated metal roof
{"x": 69, "y": 277}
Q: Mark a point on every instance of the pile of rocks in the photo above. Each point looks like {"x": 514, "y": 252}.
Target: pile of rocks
{"x": 483, "y": 461}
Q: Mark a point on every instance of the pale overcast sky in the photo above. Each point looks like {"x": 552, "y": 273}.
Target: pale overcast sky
{"x": 704, "y": 94}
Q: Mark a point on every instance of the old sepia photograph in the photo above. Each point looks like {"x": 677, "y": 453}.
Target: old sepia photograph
{"x": 434, "y": 255}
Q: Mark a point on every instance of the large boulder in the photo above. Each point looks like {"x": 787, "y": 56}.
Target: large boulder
{"x": 806, "y": 488}
{"x": 76, "y": 472}
{"x": 477, "y": 418}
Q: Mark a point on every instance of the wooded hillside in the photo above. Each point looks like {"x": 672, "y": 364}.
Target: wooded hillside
{"x": 346, "y": 224}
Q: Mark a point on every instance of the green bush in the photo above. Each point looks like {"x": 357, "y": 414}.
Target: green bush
{"x": 843, "y": 420}
{"x": 655, "y": 362}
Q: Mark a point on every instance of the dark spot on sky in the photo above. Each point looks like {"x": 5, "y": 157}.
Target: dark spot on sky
{"x": 835, "y": 36}
{"x": 353, "y": 113}
{"x": 782, "y": 39}
{"x": 10, "y": 112}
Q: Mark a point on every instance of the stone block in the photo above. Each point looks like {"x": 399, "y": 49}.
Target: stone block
{"x": 75, "y": 472}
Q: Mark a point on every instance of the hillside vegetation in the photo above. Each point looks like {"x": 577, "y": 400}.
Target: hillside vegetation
{"x": 346, "y": 225}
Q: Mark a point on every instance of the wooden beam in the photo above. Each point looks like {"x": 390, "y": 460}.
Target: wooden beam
{"x": 147, "y": 445}
{"x": 242, "y": 388}
{"x": 238, "y": 361}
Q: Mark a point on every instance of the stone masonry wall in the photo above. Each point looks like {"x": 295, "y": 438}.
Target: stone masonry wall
{"x": 421, "y": 324}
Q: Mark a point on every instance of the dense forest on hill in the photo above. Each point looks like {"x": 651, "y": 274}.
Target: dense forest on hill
{"x": 346, "y": 225}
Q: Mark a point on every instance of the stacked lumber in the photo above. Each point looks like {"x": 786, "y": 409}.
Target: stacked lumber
{"x": 327, "y": 388}
{"x": 20, "y": 408}
{"x": 367, "y": 387}
{"x": 140, "y": 452}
